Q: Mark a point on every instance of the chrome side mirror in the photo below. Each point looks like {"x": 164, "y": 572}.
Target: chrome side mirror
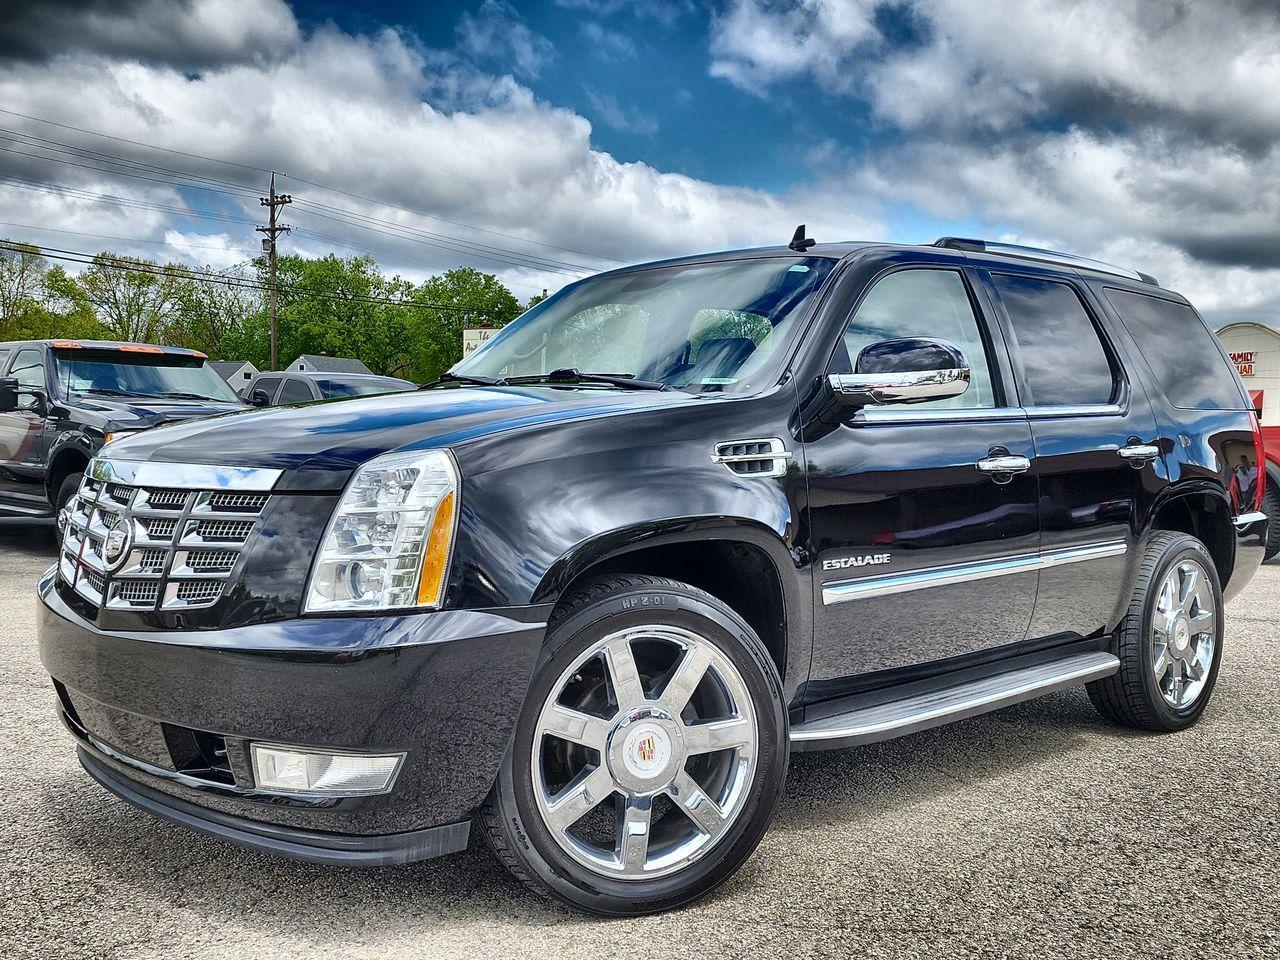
{"x": 908, "y": 370}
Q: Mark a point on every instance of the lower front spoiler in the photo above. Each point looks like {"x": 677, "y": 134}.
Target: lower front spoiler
{"x": 311, "y": 846}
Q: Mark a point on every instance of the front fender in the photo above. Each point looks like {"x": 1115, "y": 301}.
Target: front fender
{"x": 619, "y": 542}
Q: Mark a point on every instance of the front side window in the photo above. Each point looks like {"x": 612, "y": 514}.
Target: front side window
{"x": 703, "y": 327}
{"x": 117, "y": 373}
{"x": 1063, "y": 360}
{"x": 28, "y": 370}
{"x": 921, "y": 303}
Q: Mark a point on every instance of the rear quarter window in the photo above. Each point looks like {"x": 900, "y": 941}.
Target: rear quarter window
{"x": 1180, "y": 350}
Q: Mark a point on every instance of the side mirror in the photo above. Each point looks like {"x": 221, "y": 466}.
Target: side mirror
{"x": 8, "y": 395}
{"x": 260, "y": 398}
{"x": 909, "y": 370}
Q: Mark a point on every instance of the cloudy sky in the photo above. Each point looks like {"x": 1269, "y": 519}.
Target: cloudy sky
{"x": 545, "y": 140}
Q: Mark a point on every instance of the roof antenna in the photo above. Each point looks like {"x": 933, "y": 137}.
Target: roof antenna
{"x": 799, "y": 242}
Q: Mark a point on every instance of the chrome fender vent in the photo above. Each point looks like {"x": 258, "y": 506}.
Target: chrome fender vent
{"x": 754, "y": 458}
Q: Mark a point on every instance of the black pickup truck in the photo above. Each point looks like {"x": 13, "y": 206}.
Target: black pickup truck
{"x": 61, "y": 399}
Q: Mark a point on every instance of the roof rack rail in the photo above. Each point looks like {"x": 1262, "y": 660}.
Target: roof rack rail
{"x": 1047, "y": 256}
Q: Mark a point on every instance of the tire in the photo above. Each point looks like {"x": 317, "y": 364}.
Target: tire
{"x": 644, "y": 739}
{"x": 1138, "y": 695}
{"x": 66, "y": 490}
{"x": 1271, "y": 507}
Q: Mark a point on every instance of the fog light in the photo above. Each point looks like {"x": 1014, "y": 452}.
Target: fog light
{"x": 286, "y": 770}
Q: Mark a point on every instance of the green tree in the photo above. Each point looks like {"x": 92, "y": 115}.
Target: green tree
{"x": 131, "y": 304}
{"x": 471, "y": 299}
{"x": 212, "y": 317}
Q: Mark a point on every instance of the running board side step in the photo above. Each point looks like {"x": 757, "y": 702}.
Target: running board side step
{"x": 936, "y": 707}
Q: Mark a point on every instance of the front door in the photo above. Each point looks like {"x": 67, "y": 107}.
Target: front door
{"x": 922, "y": 553}
{"x": 21, "y": 437}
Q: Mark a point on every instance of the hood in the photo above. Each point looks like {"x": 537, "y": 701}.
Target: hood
{"x": 141, "y": 413}
{"x": 319, "y": 444}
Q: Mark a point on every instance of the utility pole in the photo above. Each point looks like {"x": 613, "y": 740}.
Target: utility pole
{"x": 274, "y": 202}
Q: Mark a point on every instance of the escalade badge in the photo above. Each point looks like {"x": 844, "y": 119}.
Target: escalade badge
{"x": 865, "y": 560}
{"x": 116, "y": 546}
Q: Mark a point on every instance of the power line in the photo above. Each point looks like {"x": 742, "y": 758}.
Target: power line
{"x": 314, "y": 183}
{"x": 104, "y": 236}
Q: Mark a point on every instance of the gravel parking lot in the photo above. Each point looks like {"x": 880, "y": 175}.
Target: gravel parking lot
{"x": 1034, "y": 830}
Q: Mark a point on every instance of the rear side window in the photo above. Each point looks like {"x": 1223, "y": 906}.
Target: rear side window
{"x": 4, "y": 359}
{"x": 1180, "y": 350}
{"x": 295, "y": 391}
{"x": 1063, "y": 360}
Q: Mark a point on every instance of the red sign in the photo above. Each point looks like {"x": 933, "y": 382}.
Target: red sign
{"x": 1243, "y": 359}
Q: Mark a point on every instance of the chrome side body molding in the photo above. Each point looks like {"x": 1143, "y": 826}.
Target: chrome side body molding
{"x": 936, "y": 707}
{"x": 888, "y": 584}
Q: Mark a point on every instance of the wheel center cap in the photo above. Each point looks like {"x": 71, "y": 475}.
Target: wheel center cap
{"x": 1181, "y": 634}
{"x": 645, "y": 750}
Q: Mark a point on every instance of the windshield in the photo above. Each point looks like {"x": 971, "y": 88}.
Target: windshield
{"x": 707, "y": 327}
{"x": 358, "y": 387}
{"x": 116, "y": 373}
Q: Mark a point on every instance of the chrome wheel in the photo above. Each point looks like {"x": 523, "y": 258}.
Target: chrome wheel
{"x": 644, "y": 752}
{"x": 1183, "y": 633}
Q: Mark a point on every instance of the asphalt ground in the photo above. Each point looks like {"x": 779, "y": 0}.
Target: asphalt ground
{"x": 1036, "y": 831}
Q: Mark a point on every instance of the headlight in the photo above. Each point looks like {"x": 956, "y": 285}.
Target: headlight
{"x": 390, "y": 538}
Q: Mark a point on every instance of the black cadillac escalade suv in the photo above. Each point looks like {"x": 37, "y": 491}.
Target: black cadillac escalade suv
{"x": 61, "y": 399}
{"x": 586, "y": 593}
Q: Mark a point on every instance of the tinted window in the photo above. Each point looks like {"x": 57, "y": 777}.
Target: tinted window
{"x": 267, "y": 385}
{"x": 921, "y": 303}
{"x": 28, "y": 368}
{"x": 1180, "y": 350}
{"x": 360, "y": 386}
{"x": 1063, "y": 360}
{"x": 115, "y": 372}
{"x": 295, "y": 391}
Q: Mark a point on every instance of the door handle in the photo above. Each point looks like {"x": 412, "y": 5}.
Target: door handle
{"x": 1139, "y": 453}
{"x": 1005, "y": 464}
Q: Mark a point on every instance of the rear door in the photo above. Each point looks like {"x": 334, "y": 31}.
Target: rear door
{"x": 22, "y": 471}
{"x": 1097, "y": 453}
{"x": 921, "y": 555}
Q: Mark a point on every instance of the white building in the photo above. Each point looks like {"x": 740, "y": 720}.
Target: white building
{"x": 237, "y": 373}
{"x": 1255, "y": 350}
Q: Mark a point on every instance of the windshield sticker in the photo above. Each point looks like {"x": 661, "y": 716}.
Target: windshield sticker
{"x": 718, "y": 381}
{"x": 798, "y": 268}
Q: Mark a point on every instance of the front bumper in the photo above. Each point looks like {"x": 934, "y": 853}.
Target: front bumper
{"x": 164, "y": 719}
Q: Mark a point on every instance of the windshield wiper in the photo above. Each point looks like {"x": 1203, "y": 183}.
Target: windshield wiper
{"x": 114, "y": 393}
{"x": 574, "y": 375}
{"x": 179, "y": 395}
{"x": 465, "y": 378}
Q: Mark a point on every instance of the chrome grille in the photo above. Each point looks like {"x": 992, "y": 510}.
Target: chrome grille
{"x": 135, "y": 546}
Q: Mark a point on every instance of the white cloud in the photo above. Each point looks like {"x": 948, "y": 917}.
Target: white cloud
{"x": 1130, "y": 128}
{"x": 187, "y": 34}
{"x": 497, "y": 32}
{"x": 380, "y": 116}
{"x": 609, "y": 111}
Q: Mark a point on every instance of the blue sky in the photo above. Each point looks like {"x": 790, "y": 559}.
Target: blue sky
{"x": 543, "y": 140}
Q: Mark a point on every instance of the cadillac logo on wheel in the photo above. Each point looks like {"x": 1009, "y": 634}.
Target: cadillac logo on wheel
{"x": 116, "y": 546}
